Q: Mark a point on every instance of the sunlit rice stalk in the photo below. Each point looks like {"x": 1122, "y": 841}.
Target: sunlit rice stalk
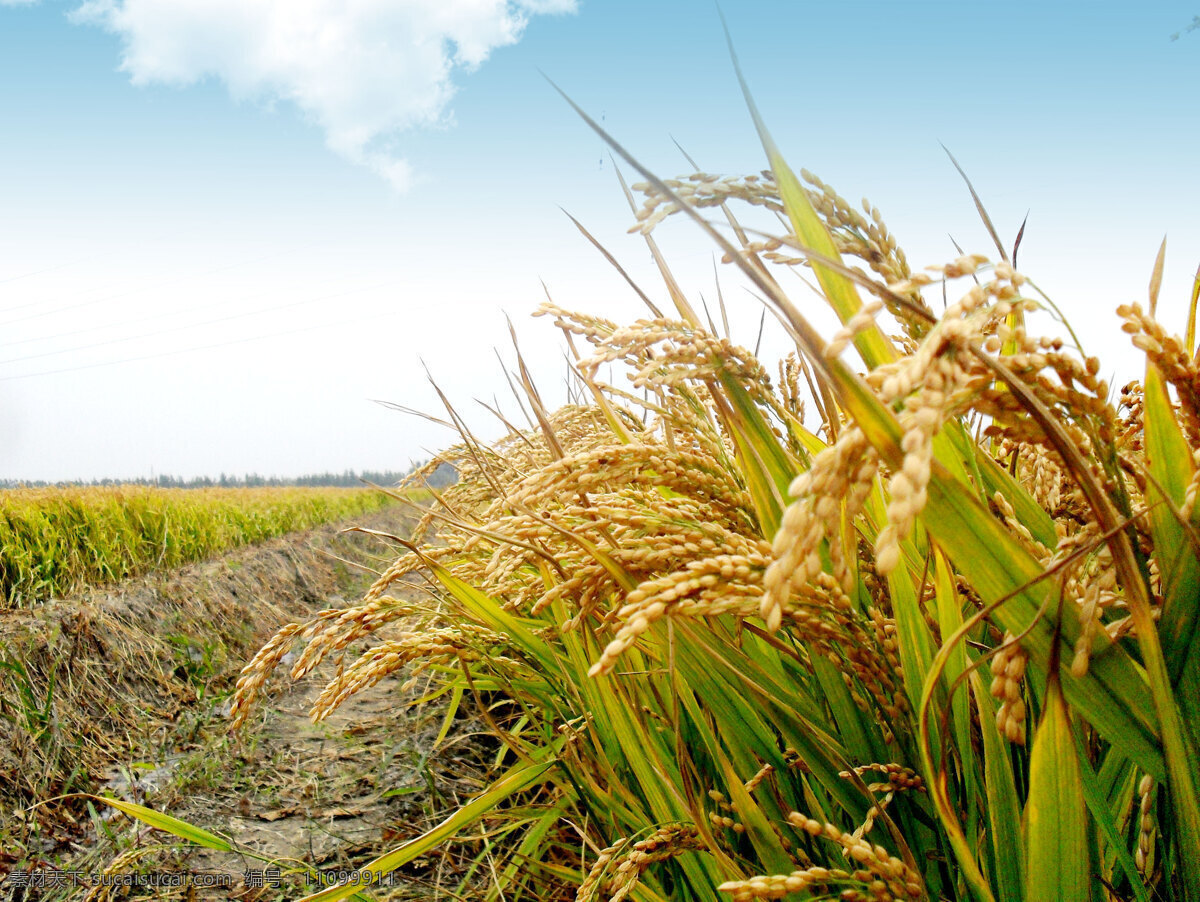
{"x": 938, "y": 642}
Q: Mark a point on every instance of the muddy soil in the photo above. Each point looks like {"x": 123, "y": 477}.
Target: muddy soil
{"x": 299, "y": 801}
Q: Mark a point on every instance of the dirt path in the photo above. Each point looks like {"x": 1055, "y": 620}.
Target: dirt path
{"x": 326, "y": 798}
{"x": 330, "y": 796}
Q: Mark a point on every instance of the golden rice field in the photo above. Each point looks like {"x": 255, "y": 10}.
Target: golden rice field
{"x": 912, "y": 615}
{"x": 54, "y": 541}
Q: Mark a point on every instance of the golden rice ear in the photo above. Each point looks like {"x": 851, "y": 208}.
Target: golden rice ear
{"x": 957, "y": 521}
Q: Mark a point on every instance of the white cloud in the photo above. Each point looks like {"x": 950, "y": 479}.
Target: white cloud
{"x": 362, "y": 70}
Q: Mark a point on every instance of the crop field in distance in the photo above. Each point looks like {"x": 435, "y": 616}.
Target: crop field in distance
{"x": 54, "y": 541}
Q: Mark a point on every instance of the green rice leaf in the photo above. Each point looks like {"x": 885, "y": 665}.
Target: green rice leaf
{"x": 1056, "y": 827}
{"x": 456, "y": 695}
{"x": 1113, "y": 693}
{"x": 871, "y": 343}
{"x": 1101, "y": 812}
{"x": 1006, "y": 846}
{"x": 764, "y": 464}
{"x": 520, "y": 777}
{"x": 971, "y": 769}
{"x": 857, "y": 730}
{"x": 530, "y": 845}
{"x": 1170, "y": 464}
{"x": 172, "y": 825}
{"x": 727, "y": 679}
{"x": 490, "y": 612}
{"x": 912, "y": 633}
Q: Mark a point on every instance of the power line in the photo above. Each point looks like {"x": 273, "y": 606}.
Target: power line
{"x": 35, "y": 303}
{"x": 179, "y": 351}
{"x": 200, "y": 275}
{"x": 125, "y": 322}
{"x": 209, "y": 322}
{"x": 37, "y": 272}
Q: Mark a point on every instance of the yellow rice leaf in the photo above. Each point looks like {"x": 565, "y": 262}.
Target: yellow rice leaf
{"x": 1190, "y": 338}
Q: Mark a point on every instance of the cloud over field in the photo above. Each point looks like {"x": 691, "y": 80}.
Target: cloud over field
{"x": 362, "y": 70}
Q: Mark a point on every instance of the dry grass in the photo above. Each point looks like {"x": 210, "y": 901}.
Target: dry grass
{"x": 126, "y": 674}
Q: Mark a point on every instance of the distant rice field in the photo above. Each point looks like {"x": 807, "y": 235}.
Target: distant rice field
{"x": 54, "y": 541}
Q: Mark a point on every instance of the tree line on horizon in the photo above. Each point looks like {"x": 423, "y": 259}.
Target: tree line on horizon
{"x": 443, "y": 476}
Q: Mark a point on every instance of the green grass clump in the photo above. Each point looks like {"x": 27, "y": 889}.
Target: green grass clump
{"x": 56, "y": 540}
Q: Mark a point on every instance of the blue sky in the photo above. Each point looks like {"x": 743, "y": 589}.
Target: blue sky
{"x": 226, "y": 226}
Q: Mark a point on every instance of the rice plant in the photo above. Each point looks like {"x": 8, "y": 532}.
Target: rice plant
{"x": 54, "y": 541}
{"x": 913, "y": 618}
